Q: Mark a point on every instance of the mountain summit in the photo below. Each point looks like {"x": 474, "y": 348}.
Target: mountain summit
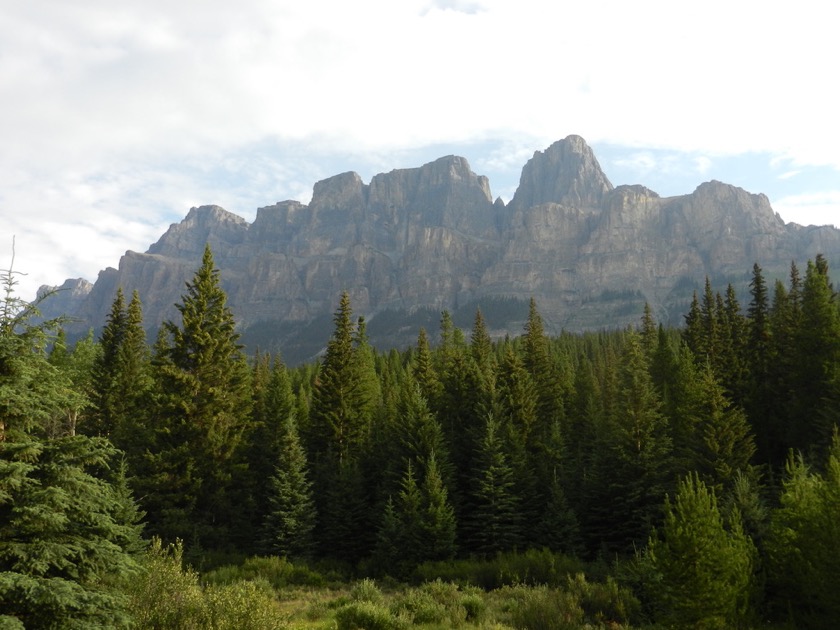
{"x": 416, "y": 241}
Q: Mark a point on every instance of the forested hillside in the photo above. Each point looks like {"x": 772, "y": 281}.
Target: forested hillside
{"x": 684, "y": 477}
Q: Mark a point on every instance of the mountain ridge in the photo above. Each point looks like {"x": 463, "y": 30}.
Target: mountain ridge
{"x": 429, "y": 238}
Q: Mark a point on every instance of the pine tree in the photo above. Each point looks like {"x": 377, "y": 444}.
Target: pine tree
{"x": 634, "y": 465}
{"x": 723, "y": 443}
{"x": 493, "y": 522}
{"x": 339, "y": 427}
{"x": 481, "y": 347}
{"x": 537, "y": 360}
{"x": 264, "y": 443}
{"x": 648, "y": 332}
{"x": 804, "y": 573}
{"x": 437, "y": 519}
{"x": 693, "y": 333}
{"x": 201, "y": 413}
{"x": 339, "y": 416}
{"x": 706, "y": 570}
{"x": 288, "y": 526}
{"x": 818, "y": 355}
{"x": 424, "y": 371}
{"x": 65, "y": 529}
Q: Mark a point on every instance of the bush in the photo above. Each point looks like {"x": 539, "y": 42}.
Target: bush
{"x": 535, "y": 566}
{"x": 165, "y": 595}
{"x": 604, "y": 602}
{"x": 542, "y": 608}
{"x": 368, "y": 616}
{"x": 440, "y": 603}
{"x": 366, "y": 590}
{"x": 279, "y": 572}
{"x": 247, "y": 605}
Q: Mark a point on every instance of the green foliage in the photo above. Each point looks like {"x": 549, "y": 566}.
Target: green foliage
{"x": 200, "y": 413}
{"x": 441, "y": 603}
{"x": 64, "y": 527}
{"x": 534, "y": 566}
{"x": 803, "y": 545}
{"x": 368, "y": 616}
{"x": 542, "y": 608}
{"x": 494, "y": 521}
{"x": 706, "y": 570}
{"x": 290, "y": 521}
{"x": 168, "y": 595}
{"x": 279, "y": 572}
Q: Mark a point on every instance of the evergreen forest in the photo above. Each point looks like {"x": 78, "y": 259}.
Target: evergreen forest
{"x": 650, "y": 477}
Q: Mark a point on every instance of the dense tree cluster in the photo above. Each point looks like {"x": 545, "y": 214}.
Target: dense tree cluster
{"x": 705, "y": 453}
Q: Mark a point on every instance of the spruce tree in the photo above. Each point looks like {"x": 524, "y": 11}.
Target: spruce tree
{"x": 634, "y": 467}
{"x": 493, "y": 521}
{"x": 818, "y": 355}
{"x": 437, "y": 518}
{"x": 201, "y": 412}
{"x": 290, "y": 521}
{"x": 66, "y": 530}
{"x": 339, "y": 428}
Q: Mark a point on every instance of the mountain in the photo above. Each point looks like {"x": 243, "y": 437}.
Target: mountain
{"x": 416, "y": 241}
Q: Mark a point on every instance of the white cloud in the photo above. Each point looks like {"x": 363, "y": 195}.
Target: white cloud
{"x": 818, "y": 208}
{"x": 139, "y": 110}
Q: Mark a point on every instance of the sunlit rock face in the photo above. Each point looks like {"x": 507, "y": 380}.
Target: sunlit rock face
{"x": 416, "y": 241}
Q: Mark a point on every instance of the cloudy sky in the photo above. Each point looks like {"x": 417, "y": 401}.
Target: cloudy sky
{"x": 117, "y": 117}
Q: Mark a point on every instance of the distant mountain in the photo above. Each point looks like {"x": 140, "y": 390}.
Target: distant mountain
{"x": 416, "y": 241}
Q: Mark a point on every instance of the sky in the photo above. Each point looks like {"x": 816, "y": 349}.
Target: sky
{"x": 117, "y": 117}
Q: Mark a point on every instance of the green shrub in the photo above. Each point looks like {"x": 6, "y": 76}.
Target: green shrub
{"x": 442, "y": 603}
{"x": 368, "y": 616}
{"x": 542, "y": 608}
{"x": 165, "y": 594}
{"x": 278, "y": 571}
{"x": 168, "y": 595}
{"x": 245, "y": 605}
{"x": 535, "y": 566}
{"x": 366, "y": 590}
{"x": 604, "y": 602}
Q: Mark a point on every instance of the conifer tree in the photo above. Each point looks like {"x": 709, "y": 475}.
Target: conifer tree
{"x": 634, "y": 466}
{"x": 340, "y": 413}
{"x": 273, "y": 406}
{"x": 201, "y": 413}
{"x": 339, "y": 427}
{"x": 481, "y": 347}
{"x": 723, "y": 443}
{"x": 493, "y": 522}
{"x": 803, "y": 542}
{"x": 516, "y": 409}
{"x": 424, "y": 371}
{"x": 648, "y": 332}
{"x": 760, "y": 396}
{"x": 290, "y": 521}
{"x": 437, "y": 518}
{"x": 818, "y": 355}
{"x": 65, "y": 529}
{"x": 706, "y": 570}
{"x": 537, "y": 360}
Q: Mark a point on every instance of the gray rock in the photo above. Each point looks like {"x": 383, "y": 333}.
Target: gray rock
{"x": 415, "y": 241}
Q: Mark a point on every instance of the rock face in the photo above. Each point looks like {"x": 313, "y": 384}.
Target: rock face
{"x": 416, "y": 241}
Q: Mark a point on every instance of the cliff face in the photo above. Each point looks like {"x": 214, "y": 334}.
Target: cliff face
{"x": 431, "y": 238}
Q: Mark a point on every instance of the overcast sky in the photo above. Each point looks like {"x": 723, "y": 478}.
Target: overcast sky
{"x": 117, "y": 117}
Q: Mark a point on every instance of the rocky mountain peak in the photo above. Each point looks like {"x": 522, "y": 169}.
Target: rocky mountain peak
{"x": 415, "y": 241}
{"x": 566, "y": 173}
{"x": 205, "y": 224}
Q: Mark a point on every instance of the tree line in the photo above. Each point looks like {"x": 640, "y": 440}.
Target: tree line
{"x": 705, "y": 458}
